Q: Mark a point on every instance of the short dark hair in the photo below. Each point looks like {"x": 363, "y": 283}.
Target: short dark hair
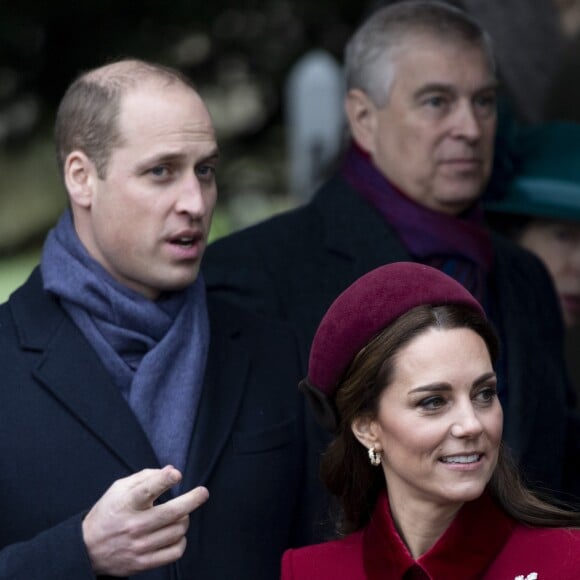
{"x": 88, "y": 115}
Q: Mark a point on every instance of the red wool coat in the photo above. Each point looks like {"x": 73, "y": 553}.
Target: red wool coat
{"x": 481, "y": 543}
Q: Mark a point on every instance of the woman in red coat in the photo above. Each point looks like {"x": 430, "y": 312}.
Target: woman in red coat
{"x": 401, "y": 370}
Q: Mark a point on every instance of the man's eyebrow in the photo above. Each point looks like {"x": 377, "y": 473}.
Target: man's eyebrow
{"x": 169, "y": 157}
{"x": 212, "y": 156}
{"x": 451, "y": 89}
{"x": 434, "y": 88}
{"x": 160, "y": 158}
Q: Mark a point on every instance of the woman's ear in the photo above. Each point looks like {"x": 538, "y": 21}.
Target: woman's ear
{"x": 361, "y": 114}
{"x": 80, "y": 177}
{"x": 364, "y": 428}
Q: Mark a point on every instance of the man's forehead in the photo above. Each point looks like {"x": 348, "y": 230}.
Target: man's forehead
{"x": 418, "y": 42}
{"x": 160, "y": 89}
{"x": 427, "y": 57}
{"x": 151, "y": 105}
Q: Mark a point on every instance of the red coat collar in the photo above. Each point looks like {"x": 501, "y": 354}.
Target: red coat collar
{"x": 465, "y": 550}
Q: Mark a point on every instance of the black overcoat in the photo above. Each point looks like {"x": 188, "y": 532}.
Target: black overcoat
{"x": 66, "y": 434}
{"x": 292, "y": 267}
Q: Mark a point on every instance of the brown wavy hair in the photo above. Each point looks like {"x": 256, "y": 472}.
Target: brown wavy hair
{"x": 345, "y": 468}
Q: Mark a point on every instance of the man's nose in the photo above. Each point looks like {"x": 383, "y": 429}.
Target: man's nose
{"x": 191, "y": 197}
{"x": 466, "y": 122}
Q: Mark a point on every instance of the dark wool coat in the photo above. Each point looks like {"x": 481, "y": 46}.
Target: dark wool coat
{"x": 293, "y": 266}
{"x": 66, "y": 434}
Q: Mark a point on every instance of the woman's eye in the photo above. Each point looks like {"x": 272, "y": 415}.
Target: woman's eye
{"x": 487, "y": 395}
{"x": 432, "y": 403}
{"x": 564, "y": 234}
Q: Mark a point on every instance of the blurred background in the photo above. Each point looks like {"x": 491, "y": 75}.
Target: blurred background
{"x": 269, "y": 72}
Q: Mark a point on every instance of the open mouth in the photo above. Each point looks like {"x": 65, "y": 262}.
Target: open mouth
{"x": 463, "y": 459}
{"x": 186, "y": 240}
{"x": 183, "y": 242}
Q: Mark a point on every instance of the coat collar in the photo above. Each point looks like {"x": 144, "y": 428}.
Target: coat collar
{"x": 465, "y": 550}
{"x": 511, "y": 263}
{"x": 69, "y": 369}
{"x": 366, "y": 240}
{"x": 88, "y": 393}
{"x": 224, "y": 387}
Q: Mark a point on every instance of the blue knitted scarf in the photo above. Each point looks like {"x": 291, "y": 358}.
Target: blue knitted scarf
{"x": 155, "y": 351}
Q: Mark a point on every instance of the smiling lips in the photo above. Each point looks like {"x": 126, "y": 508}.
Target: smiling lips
{"x": 472, "y": 458}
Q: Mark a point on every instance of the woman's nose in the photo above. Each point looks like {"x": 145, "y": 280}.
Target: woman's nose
{"x": 466, "y": 422}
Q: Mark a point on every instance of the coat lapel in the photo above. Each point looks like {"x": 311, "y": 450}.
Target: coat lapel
{"x": 523, "y": 398}
{"x": 527, "y": 375}
{"x": 70, "y": 370}
{"x": 465, "y": 550}
{"x": 366, "y": 242}
{"x": 224, "y": 386}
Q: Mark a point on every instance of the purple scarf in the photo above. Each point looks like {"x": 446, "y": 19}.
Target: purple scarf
{"x": 458, "y": 245}
{"x": 155, "y": 351}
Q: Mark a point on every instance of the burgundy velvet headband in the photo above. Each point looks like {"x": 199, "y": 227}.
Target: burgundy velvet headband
{"x": 368, "y": 306}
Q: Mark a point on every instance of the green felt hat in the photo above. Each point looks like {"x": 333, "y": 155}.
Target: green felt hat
{"x": 546, "y": 178}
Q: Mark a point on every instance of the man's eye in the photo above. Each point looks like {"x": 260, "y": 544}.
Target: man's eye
{"x": 486, "y": 101}
{"x": 435, "y": 101}
{"x": 205, "y": 171}
{"x": 486, "y": 104}
{"x": 159, "y": 171}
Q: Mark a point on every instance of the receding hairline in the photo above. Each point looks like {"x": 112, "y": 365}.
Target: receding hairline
{"x": 131, "y": 73}
{"x": 412, "y": 39}
{"x": 88, "y": 114}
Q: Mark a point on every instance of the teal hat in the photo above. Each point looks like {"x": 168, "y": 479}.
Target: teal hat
{"x": 546, "y": 173}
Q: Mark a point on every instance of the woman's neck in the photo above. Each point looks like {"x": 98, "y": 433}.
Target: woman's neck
{"x": 421, "y": 524}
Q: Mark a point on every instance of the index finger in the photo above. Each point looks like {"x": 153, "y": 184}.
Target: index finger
{"x": 180, "y": 506}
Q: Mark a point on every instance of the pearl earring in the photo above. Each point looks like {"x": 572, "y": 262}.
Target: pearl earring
{"x": 374, "y": 456}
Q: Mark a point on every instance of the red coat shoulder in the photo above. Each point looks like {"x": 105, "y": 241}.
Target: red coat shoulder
{"x": 337, "y": 560}
{"x": 545, "y": 552}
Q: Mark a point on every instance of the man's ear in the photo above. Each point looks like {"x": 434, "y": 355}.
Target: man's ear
{"x": 80, "y": 177}
{"x": 361, "y": 114}
{"x": 365, "y": 430}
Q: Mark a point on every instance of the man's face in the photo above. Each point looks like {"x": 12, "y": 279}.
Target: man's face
{"x": 148, "y": 220}
{"x": 434, "y": 137}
